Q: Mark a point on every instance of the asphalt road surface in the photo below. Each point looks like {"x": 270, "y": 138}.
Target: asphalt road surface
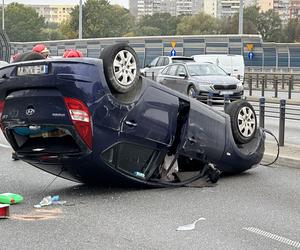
{"x": 255, "y": 210}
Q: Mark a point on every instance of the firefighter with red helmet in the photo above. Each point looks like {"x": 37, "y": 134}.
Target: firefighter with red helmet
{"x": 41, "y": 49}
{"x": 69, "y": 53}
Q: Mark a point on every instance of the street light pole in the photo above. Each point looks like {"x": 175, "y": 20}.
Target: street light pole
{"x": 2, "y": 14}
{"x": 241, "y": 17}
{"x": 80, "y": 19}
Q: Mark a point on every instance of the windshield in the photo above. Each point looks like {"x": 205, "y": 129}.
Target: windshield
{"x": 205, "y": 70}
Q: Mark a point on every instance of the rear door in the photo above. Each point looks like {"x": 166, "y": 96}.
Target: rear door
{"x": 153, "y": 118}
{"x": 181, "y": 81}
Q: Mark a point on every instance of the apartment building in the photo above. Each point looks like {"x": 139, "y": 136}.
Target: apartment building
{"x": 294, "y": 9}
{"x": 54, "y": 13}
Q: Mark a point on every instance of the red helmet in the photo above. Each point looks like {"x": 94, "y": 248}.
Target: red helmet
{"x": 72, "y": 53}
{"x": 41, "y": 48}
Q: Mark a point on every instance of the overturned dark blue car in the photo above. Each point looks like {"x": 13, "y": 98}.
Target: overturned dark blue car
{"x": 98, "y": 121}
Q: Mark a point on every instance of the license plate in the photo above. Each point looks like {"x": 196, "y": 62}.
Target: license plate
{"x": 32, "y": 70}
{"x": 226, "y": 92}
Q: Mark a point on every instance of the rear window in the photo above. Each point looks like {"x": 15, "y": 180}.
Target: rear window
{"x": 175, "y": 60}
{"x": 75, "y": 69}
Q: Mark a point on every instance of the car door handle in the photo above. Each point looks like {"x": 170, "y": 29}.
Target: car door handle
{"x": 131, "y": 123}
{"x": 192, "y": 140}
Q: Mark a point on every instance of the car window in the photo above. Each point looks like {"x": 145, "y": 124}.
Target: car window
{"x": 153, "y": 63}
{"x": 180, "y": 70}
{"x": 165, "y": 70}
{"x": 160, "y": 61}
{"x": 129, "y": 157}
{"x": 175, "y": 60}
{"x": 205, "y": 69}
{"x": 172, "y": 70}
{"x": 166, "y": 62}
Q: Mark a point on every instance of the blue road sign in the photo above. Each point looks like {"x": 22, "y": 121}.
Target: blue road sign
{"x": 250, "y": 55}
{"x": 173, "y": 52}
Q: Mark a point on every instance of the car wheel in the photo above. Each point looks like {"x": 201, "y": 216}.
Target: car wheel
{"x": 243, "y": 121}
{"x": 192, "y": 92}
{"x": 121, "y": 67}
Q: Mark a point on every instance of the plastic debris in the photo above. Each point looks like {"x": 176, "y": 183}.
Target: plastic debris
{"x": 189, "y": 226}
{"x": 10, "y": 198}
{"x": 4, "y": 211}
{"x": 50, "y": 200}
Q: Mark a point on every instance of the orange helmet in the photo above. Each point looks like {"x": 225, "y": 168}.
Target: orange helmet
{"x": 72, "y": 53}
{"x": 41, "y": 48}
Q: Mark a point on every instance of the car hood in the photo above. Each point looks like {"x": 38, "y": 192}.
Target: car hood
{"x": 214, "y": 79}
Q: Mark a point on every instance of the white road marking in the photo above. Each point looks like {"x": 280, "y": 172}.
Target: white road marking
{"x": 4, "y": 146}
{"x": 281, "y": 239}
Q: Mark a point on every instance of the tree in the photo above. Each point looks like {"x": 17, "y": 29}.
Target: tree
{"x": 23, "y": 24}
{"x": 161, "y": 24}
{"x": 100, "y": 19}
{"x": 199, "y": 24}
{"x": 269, "y": 26}
{"x": 230, "y": 25}
{"x": 291, "y": 32}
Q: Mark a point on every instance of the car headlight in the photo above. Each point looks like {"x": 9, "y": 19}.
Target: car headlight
{"x": 205, "y": 86}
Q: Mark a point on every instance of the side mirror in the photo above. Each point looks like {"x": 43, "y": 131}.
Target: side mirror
{"x": 182, "y": 74}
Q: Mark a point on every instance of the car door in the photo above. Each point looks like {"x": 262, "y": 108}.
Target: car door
{"x": 170, "y": 77}
{"x": 182, "y": 79}
{"x": 153, "y": 118}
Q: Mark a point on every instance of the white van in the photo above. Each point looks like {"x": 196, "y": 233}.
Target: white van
{"x": 233, "y": 64}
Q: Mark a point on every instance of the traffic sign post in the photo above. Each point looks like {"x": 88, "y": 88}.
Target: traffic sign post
{"x": 173, "y": 52}
{"x": 250, "y": 55}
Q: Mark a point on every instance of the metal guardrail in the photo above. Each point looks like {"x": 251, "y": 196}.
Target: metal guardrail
{"x": 285, "y": 109}
{"x": 272, "y": 81}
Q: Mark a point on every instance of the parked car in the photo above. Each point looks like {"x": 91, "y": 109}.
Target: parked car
{"x": 232, "y": 64}
{"x": 199, "y": 80}
{"x": 151, "y": 70}
{"x": 97, "y": 121}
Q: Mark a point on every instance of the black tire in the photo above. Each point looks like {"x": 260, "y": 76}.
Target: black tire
{"x": 243, "y": 121}
{"x": 121, "y": 67}
{"x": 192, "y": 92}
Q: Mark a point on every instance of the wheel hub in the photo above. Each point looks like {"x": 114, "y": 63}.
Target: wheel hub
{"x": 246, "y": 122}
{"x": 125, "y": 67}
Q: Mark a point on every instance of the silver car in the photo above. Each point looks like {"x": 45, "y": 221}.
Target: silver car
{"x": 152, "y": 69}
{"x": 200, "y": 80}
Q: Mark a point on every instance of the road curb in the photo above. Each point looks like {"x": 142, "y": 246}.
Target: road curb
{"x": 283, "y": 161}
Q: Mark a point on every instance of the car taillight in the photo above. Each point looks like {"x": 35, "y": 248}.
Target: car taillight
{"x": 81, "y": 119}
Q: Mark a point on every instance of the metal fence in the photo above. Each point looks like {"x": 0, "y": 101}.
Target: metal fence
{"x": 272, "y": 81}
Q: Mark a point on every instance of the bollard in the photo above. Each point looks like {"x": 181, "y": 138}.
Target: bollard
{"x": 152, "y": 75}
{"x": 266, "y": 81}
{"x": 262, "y": 102}
{"x": 276, "y": 85}
{"x": 282, "y": 81}
{"x": 282, "y": 122}
{"x": 257, "y": 80}
{"x": 263, "y": 86}
{"x": 209, "y": 99}
{"x": 250, "y": 85}
{"x": 290, "y": 87}
{"x": 226, "y": 101}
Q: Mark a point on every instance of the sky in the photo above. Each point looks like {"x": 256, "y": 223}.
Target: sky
{"x": 120, "y": 2}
